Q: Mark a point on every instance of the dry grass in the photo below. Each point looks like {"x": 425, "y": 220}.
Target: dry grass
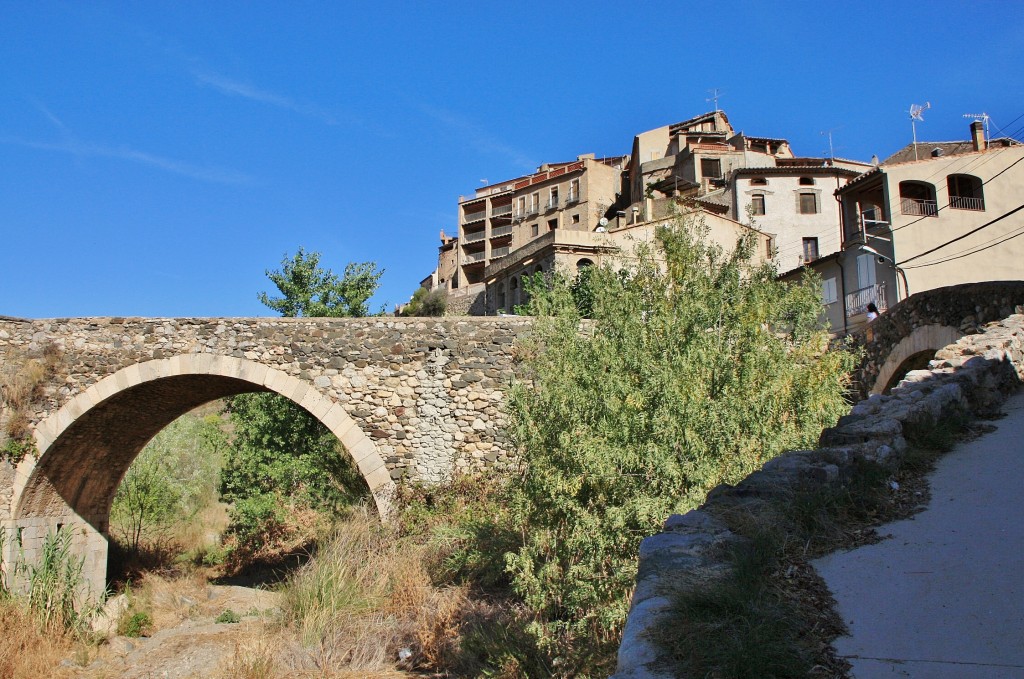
{"x": 28, "y": 652}
{"x": 366, "y": 603}
{"x": 22, "y": 384}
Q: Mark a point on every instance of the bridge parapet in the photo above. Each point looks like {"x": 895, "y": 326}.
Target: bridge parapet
{"x": 947, "y": 313}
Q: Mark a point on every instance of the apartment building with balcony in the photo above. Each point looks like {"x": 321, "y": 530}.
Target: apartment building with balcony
{"x": 954, "y": 215}
{"x": 501, "y": 218}
{"x": 569, "y": 251}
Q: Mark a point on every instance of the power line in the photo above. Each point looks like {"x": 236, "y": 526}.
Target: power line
{"x": 964, "y": 236}
{"x": 968, "y": 253}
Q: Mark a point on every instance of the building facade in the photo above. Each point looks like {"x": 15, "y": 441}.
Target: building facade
{"x": 955, "y": 215}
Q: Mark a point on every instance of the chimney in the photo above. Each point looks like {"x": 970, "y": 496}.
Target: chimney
{"x": 978, "y": 135}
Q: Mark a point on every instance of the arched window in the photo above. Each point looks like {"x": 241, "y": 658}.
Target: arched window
{"x": 965, "y": 192}
{"x": 584, "y": 263}
{"x": 918, "y": 198}
{"x": 806, "y": 181}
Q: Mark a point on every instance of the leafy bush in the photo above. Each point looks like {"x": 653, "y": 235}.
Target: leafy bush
{"x": 427, "y": 302}
{"x": 172, "y": 479}
{"x": 694, "y": 370}
{"x": 138, "y": 624}
{"x": 228, "y": 617}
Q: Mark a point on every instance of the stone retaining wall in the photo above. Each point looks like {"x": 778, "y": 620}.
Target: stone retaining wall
{"x": 973, "y": 375}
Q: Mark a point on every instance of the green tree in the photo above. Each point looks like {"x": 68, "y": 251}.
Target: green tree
{"x": 427, "y": 302}
{"x": 171, "y": 480}
{"x": 309, "y": 290}
{"x": 281, "y": 457}
{"x": 694, "y": 369}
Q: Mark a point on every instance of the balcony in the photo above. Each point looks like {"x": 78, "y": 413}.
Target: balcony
{"x": 500, "y": 252}
{"x": 552, "y": 204}
{"x": 474, "y": 257}
{"x": 858, "y": 300}
{"x": 474, "y": 237}
{"x": 966, "y": 203}
{"x": 501, "y": 231}
{"x": 471, "y": 217}
{"x": 502, "y": 211}
{"x": 919, "y": 207}
{"x": 572, "y": 198}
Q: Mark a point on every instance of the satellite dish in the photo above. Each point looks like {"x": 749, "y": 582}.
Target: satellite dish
{"x": 603, "y": 221}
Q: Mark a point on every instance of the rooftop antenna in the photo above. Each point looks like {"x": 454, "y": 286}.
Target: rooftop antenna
{"x": 983, "y": 117}
{"x": 831, "y": 151}
{"x": 915, "y": 116}
{"x": 715, "y": 94}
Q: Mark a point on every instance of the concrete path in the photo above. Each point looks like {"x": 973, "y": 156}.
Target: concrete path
{"x": 943, "y": 597}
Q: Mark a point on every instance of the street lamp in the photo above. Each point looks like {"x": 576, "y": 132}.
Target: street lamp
{"x": 892, "y": 262}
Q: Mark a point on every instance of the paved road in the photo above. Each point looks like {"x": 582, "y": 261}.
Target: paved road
{"x": 943, "y": 598}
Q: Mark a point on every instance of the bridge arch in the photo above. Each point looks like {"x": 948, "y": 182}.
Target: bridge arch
{"x": 86, "y": 446}
{"x": 916, "y": 348}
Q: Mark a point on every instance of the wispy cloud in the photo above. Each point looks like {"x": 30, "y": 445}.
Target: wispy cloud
{"x": 84, "y": 149}
{"x": 234, "y": 88}
{"x": 477, "y": 136}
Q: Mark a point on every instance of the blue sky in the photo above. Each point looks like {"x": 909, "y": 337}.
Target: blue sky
{"x": 156, "y": 158}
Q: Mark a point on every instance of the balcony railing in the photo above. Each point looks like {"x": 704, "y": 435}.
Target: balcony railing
{"x": 572, "y": 198}
{"x": 502, "y": 211}
{"x": 858, "y": 300}
{"x": 474, "y": 237}
{"x": 551, "y": 204}
{"x": 501, "y": 231}
{"x": 531, "y": 211}
{"x": 472, "y": 257}
{"x": 966, "y": 203}
{"x": 499, "y": 252}
{"x": 919, "y": 207}
{"x": 475, "y": 216}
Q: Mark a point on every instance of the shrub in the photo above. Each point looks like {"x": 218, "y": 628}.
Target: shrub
{"x": 693, "y": 371}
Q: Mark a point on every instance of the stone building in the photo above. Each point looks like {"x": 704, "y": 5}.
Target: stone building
{"x": 949, "y": 217}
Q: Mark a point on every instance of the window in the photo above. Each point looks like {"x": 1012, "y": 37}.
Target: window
{"x": 534, "y": 202}
{"x": 757, "y": 204}
{"x": 865, "y": 271}
{"x": 806, "y": 181}
{"x": 808, "y": 203}
{"x": 574, "y": 190}
{"x": 918, "y": 198}
{"x": 965, "y": 192}
{"x": 584, "y": 263}
{"x": 711, "y": 167}
{"x": 758, "y": 181}
{"x": 552, "y": 224}
{"x": 810, "y": 249}
{"x": 828, "y": 291}
{"x": 521, "y": 206}
{"x": 534, "y": 230}
{"x": 575, "y": 219}
{"x": 553, "y": 197}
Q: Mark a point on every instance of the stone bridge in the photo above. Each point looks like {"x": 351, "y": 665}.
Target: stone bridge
{"x": 415, "y": 398}
{"x": 907, "y": 336}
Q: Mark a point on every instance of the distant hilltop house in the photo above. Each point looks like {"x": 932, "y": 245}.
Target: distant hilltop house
{"x": 931, "y": 215}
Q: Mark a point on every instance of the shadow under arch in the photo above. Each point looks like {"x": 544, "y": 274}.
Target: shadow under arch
{"x": 86, "y": 446}
{"x": 913, "y": 352}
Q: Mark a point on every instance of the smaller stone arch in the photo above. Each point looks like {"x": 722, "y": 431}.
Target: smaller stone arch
{"x": 912, "y": 349}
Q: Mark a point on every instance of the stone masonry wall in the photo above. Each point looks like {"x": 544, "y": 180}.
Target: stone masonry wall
{"x": 973, "y": 376}
{"x": 967, "y": 307}
{"x": 429, "y": 392}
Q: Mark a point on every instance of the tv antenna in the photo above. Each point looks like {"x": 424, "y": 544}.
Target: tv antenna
{"x": 984, "y": 117}
{"x": 831, "y": 150}
{"x": 715, "y": 94}
{"x": 915, "y": 117}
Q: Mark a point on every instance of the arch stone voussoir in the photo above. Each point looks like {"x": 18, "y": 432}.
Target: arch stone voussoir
{"x": 921, "y": 339}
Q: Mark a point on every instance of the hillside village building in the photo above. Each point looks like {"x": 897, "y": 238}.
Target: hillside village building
{"x": 952, "y": 216}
